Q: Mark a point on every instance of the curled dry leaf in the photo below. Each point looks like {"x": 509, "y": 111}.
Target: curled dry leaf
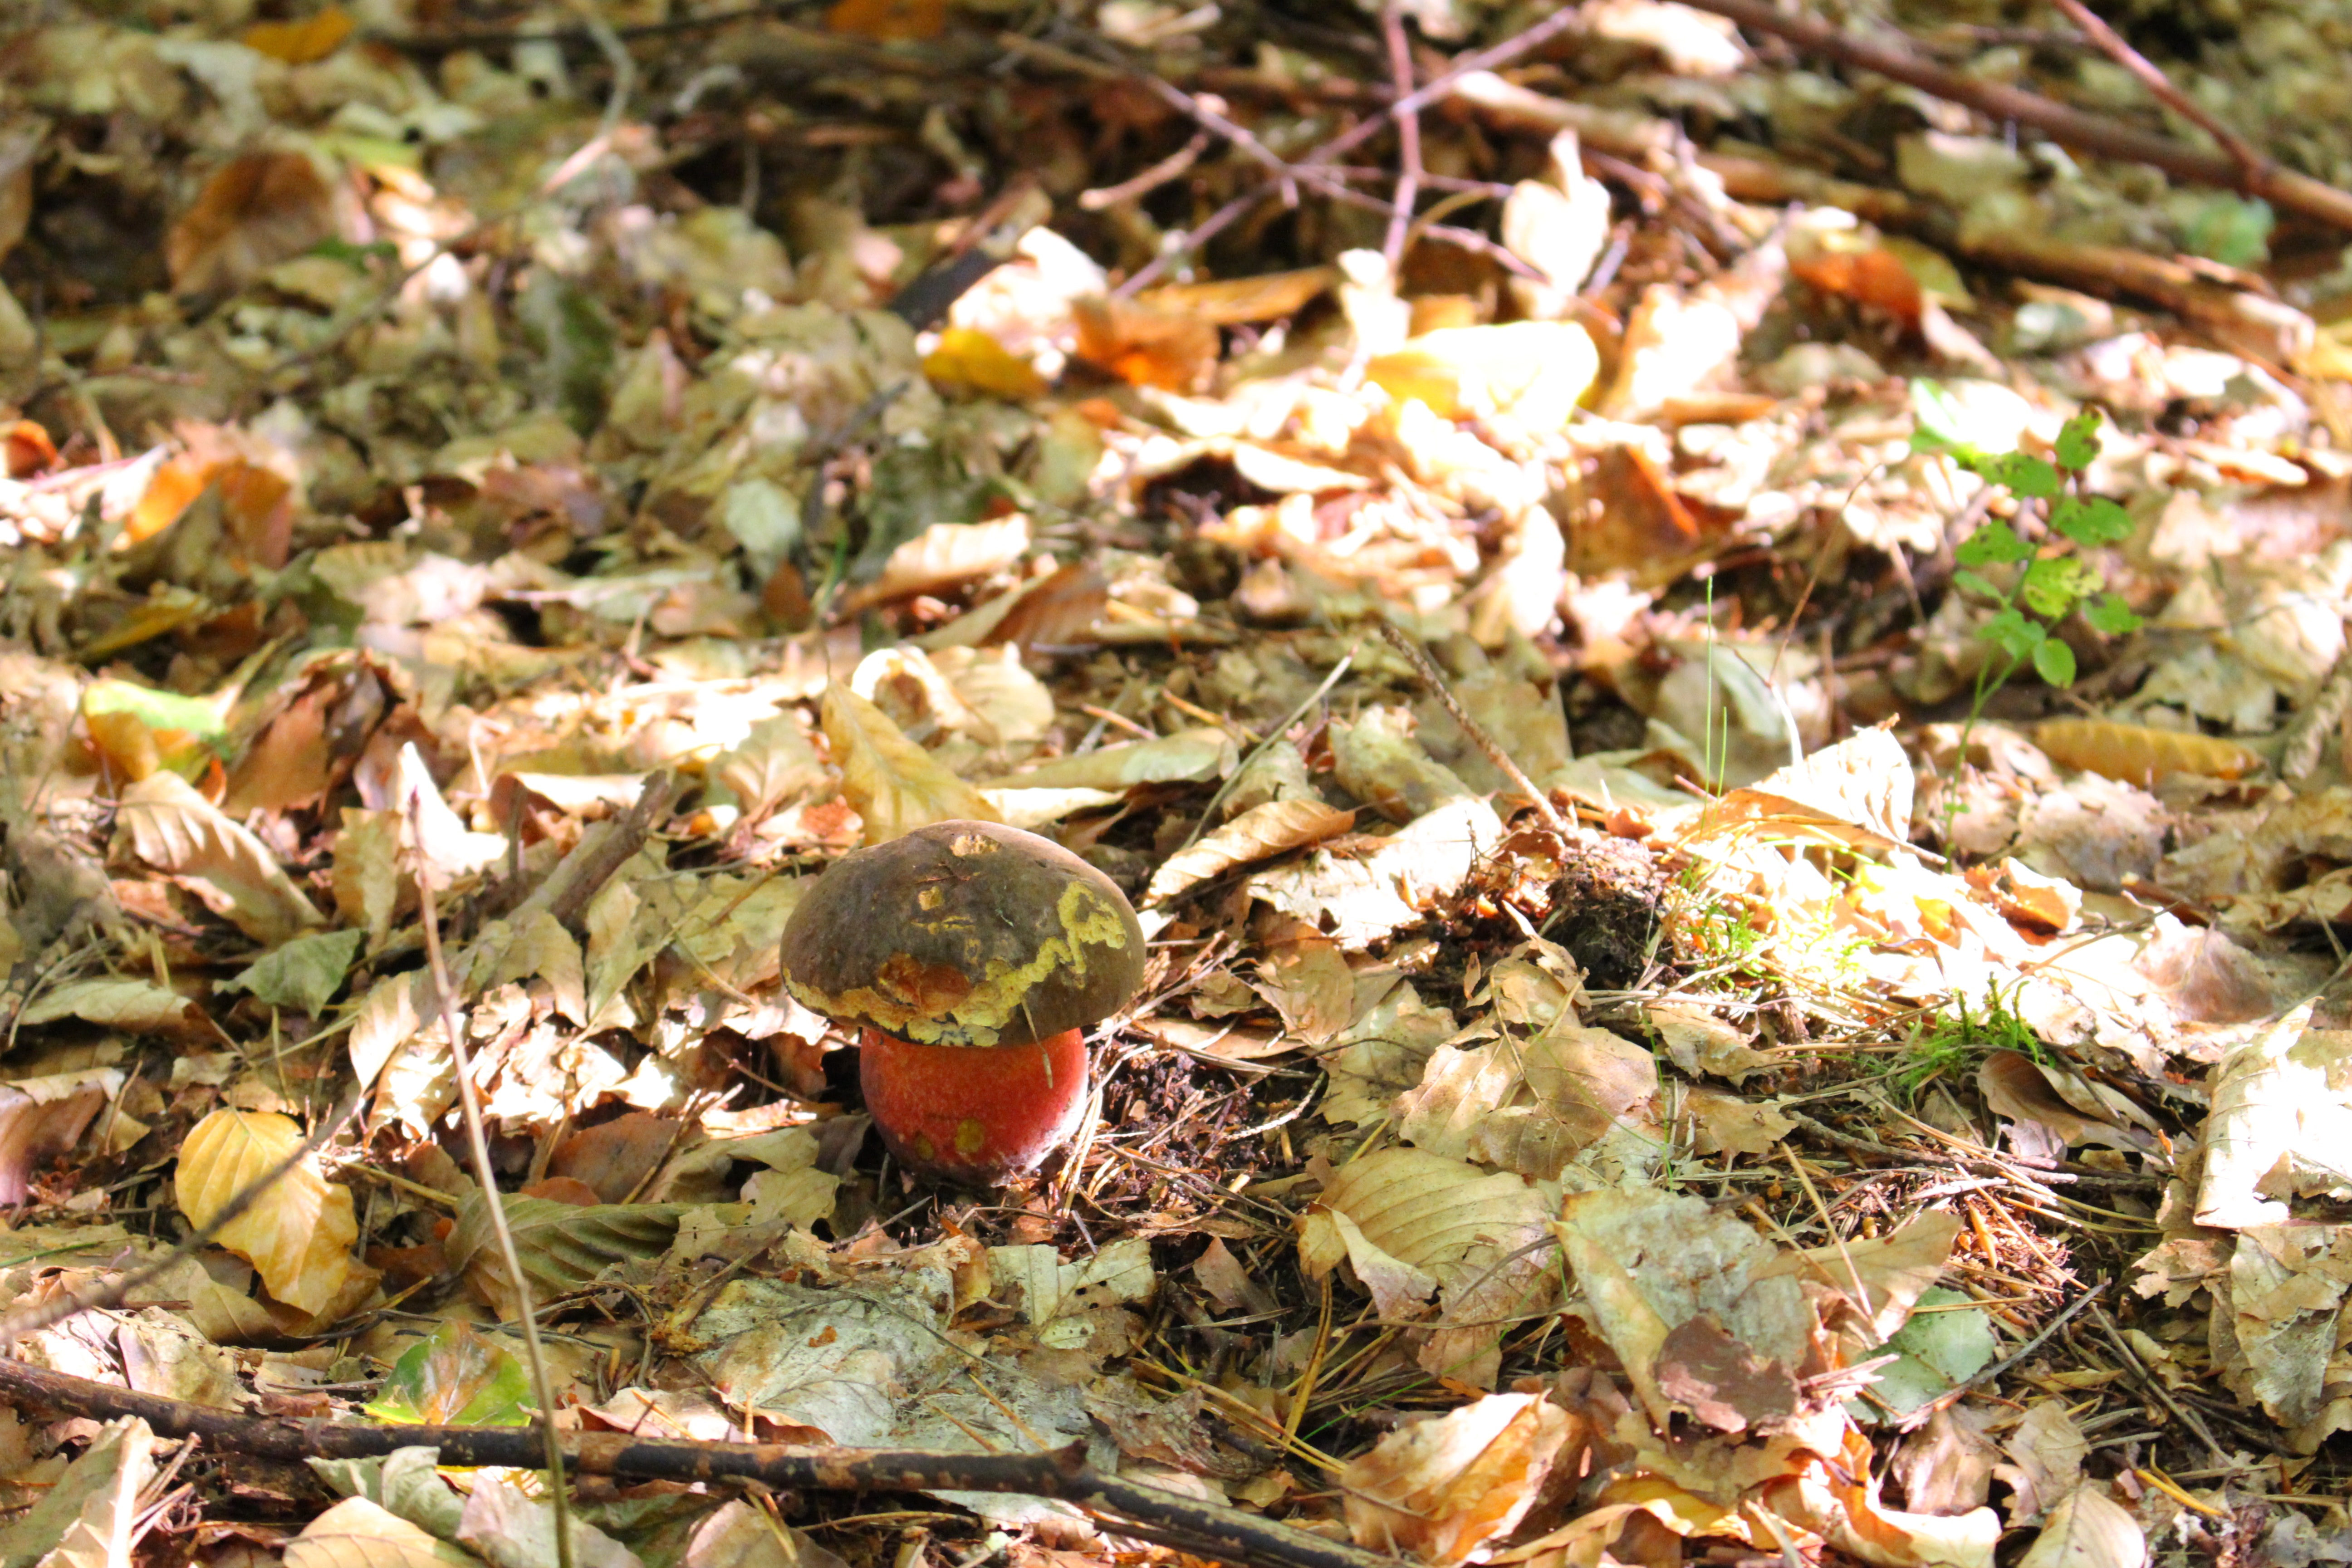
{"x": 1258, "y": 834}
{"x": 258, "y": 209}
{"x": 2141, "y": 754}
{"x": 1186, "y": 756}
{"x": 1441, "y": 1488}
{"x": 1532, "y": 371}
{"x": 1409, "y": 1223}
{"x": 300, "y": 1234}
{"x": 41, "y": 1118}
{"x": 895, "y": 785}
{"x": 2088, "y": 1529}
{"x": 943, "y": 556}
{"x": 177, "y": 830}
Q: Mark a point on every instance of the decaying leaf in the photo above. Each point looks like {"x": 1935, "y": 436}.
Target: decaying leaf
{"x": 1411, "y": 1226}
{"x": 562, "y": 1247}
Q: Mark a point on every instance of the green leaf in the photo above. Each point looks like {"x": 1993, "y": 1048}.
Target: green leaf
{"x": 2020, "y": 472}
{"x": 2078, "y": 441}
{"x": 1938, "y": 425}
{"x": 454, "y": 1377}
{"x": 2054, "y": 662}
{"x": 2056, "y": 585}
{"x": 305, "y": 972}
{"x": 2011, "y": 633}
{"x": 2091, "y": 520}
{"x": 1994, "y": 544}
{"x": 2109, "y": 615}
{"x": 1976, "y": 582}
{"x": 156, "y": 709}
{"x": 1946, "y": 1341}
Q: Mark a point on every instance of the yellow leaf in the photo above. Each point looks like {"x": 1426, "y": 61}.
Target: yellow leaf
{"x": 299, "y": 43}
{"x": 1533, "y": 370}
{"x": 969, "y": 359}
{"x": 300, "y": 1234}
{"x": 894, "y": 785}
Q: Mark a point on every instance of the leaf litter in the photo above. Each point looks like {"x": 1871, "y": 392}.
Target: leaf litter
{"x": 1722, "y": 685}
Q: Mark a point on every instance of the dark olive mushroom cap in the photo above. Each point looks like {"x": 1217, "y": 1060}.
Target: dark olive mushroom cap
{"x": 964, "y": 933}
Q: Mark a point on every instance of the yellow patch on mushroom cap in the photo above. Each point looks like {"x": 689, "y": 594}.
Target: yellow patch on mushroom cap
{"x": 920, "y": 1001}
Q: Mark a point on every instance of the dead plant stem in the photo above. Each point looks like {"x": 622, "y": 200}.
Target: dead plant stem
{"x": 478, "y": 1146}
{"x": 1440, "y": 688}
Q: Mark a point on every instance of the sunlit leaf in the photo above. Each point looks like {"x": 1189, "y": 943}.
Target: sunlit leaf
{"x": 1994, "y": 544}
{"x": 454, "y": 1377}
{"x": 2011, "y": 633}
{"x": 969, "y": 359}
{"x": 2109, "y": 613}
{"x": 2078, "y": 440}
{"x": 300, "y": 1234}
{"x": 892, "y": 783}
{"x": 2054, "y": 662}
{"x": 299, "y": 43}
{"x": 2019, "y": 471}
{"x": 2052, "y": 585}
{"x": 2141, "y": 753}
{"x": 2091, "y": 520}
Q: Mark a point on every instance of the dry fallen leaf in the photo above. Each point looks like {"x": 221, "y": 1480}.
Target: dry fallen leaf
{"x": 1441, "y": 1488}
{"x": 895, "y": 785}
{"x": 177, "y": 830}
{"x": 299, "y": 1234}
{"x": 1258, "y": 834}
{"x": 257, "y": 210}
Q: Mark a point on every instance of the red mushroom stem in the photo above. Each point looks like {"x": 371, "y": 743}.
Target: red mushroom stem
{"x": 974, "y": 1115}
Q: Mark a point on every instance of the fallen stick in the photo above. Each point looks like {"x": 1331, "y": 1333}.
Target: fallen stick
{"x": 2282, "y": 188}
{"x": 1203, "y": 1529}
{"x": 2236, "y": 317}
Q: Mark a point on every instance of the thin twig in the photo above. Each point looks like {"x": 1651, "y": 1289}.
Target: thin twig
{"x": 1206, "y": 1528}
{"x": 1565, "y": 19}
{"x": 1440, "y": 688}
{"x": 2094, "y": 134}
{"x": 1408, "y": 123}
{"x": 2118, "y": 49}
{"x": 2155, "y": 1385}
{"x": 479, "y": 1146}
{"x": 1150, "y": 180}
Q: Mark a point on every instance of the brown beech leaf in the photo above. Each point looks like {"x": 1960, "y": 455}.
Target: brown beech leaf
{"x": 177, "y": 830}
{"x": 257, "y": 210}
{"x": 1258, "y": 834}
{"x": 300, "y": 1234}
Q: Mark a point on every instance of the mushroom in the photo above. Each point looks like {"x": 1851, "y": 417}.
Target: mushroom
{"x": 972, "y": 957}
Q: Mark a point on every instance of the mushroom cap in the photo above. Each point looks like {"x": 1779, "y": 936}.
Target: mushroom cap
{"x": 964, "y": 933}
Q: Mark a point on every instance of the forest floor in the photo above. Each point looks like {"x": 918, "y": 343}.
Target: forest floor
{"x": 1710, "y": 641}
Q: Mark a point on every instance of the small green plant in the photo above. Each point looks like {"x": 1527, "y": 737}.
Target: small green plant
{"x": 2046, "y": 580}
{"x": 2056, "y": 580}
{"x": 1952, "y": 1046}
